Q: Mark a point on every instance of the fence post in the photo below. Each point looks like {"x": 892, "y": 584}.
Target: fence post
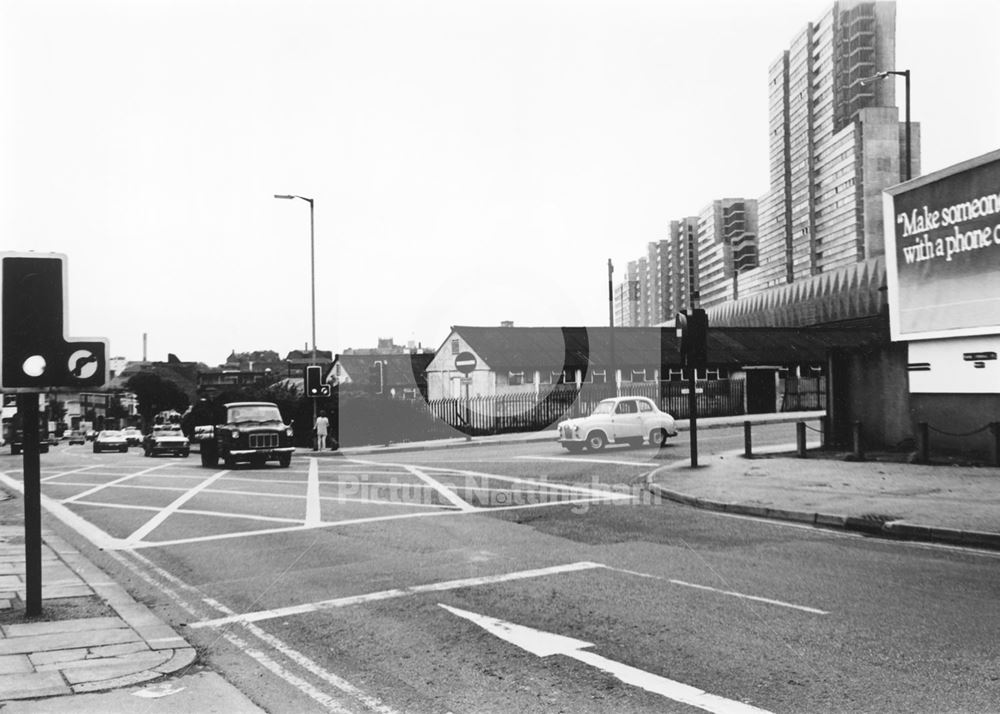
{"x": 747, "y": 443}
{"x": 824, "y": 431}
{"x": 995, "y": 430}
{"x": 923, "y": 443}
{"x": 800, "y": 438}
{"x": 859, "y": 452}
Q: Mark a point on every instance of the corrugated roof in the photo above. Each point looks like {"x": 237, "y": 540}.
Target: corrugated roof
{"x": 576, "y": 347}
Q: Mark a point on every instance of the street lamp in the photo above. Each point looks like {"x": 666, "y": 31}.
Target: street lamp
{"x": 905, "y": 74}
{"x": 312, "y": 282}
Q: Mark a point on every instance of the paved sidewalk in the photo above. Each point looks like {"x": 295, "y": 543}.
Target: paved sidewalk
{"x": 944, "y": 503}
{"x": 59, "y": 663}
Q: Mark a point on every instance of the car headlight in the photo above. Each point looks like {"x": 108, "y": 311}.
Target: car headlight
{"x": 235, "y": 434}
{"x": 576, "y": 430}
{"x": 288, "y": 432}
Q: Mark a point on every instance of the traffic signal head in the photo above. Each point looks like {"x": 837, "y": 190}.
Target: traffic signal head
{"x": 314, "y": 380}
{"x": 34, "y": 352}
{"x": 693, "y": 330}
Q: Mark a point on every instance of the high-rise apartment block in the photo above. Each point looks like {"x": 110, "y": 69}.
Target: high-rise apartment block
{"x": 836, "y": 141}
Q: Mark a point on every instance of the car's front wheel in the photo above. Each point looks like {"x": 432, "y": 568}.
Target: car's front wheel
{"x": 285, "y": 460}
{"x": 596, "y": 441}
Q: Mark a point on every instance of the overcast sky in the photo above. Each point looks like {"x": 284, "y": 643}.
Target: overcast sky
{"x": 470, "y": 161}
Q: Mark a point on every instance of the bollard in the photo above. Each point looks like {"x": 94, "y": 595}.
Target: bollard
{"x": 747, "y": 442}
{"x": 800, "y": 438}
{"x": 859, "y": 452}
{"x": 923, "y": 443}
{"x": 995, "y": 430}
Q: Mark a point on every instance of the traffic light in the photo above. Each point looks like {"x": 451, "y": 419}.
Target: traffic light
{"x": 376, "y": 377}
{"x": 315, "y": 387}
{"x": 693, "y": 330}
{"x": 34, "y": 352}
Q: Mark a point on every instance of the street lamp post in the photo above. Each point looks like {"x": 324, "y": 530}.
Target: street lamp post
{"x": 905, "y": 74}
{"x": 312, "y": 284}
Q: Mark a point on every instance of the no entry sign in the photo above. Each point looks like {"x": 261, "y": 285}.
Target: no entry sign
{"x": 465, "y": 362}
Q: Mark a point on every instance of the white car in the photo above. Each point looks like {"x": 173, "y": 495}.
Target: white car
{"x": 628, "y": 420}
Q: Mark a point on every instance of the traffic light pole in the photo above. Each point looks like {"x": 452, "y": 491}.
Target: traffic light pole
{"x": 27, "y": 409}
{"x": 693, "y": 415}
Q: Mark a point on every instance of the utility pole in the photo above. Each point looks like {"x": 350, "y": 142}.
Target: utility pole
{"x": 611, "y": 322}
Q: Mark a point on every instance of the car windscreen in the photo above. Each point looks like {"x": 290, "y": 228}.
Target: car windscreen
{"x": 604, "y": 407}
{"x": 254, "y": 414}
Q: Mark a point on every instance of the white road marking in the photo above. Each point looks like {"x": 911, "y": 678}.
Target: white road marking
{"x": 585, "y": 460}
{"x": 265, "y": 660}
{"x": 395, "y": 593}
{"x": 743, "y": 596}
{"x": 312, "y": 495}
{"x": 369, "y": 701}
{"x": 103, "y": 486}
{"x": 756, "y": 598}
{"x": 545, "y": 644}
{"x": 448, "y": 494}
{"x": 192, "y": 512}
{"x": 82, "y": 526}
{"x": 442, "y": 511}
{"x": 165, "y": 513}
{"x": 601, "y": 495}
{"x": 67, "y": 473}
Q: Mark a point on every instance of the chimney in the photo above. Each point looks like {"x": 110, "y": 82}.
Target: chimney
{"x": 143, "y": 346}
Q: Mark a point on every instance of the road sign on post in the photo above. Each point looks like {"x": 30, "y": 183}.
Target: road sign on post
{"x": 465, "y": 362}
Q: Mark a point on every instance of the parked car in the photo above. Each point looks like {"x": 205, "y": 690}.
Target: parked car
{"x": 132, "y": 435}
{"x": 91, "y": 434}
{"x": 76, "y": 437}
{"x": 166, "y": 440}
{"x": 629, "y": 420}
{"x": 110, "y": 440}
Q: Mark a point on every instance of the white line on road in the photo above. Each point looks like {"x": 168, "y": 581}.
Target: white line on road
{"x": 585, "y": 460}
{"x": 446, "y": 492}
{"x": 312, "y": 495}
{"x": 85, "y": 528}
{"x": 395, "y": 593}
{"x": 165, "y": 513}
{"x": 594, "y": 493}
{"x": 731, "y": 593}
{"x": 103, "y": 486}
{"x": 325, "y": 700}
{"x": 756, "y": 598}
{"x": 67, "y": 473}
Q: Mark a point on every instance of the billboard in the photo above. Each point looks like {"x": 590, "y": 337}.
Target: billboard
{"x": 942, "y": 249}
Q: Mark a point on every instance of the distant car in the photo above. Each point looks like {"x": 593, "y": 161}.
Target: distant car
{"x": 132, "y": 435}
{"x": 76, "y": 437}
{"x": 629, "y": 420}
{"x": 91, "y": 434}
{"x": 110, "y": 440}
{"x": 166, "y": 440}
